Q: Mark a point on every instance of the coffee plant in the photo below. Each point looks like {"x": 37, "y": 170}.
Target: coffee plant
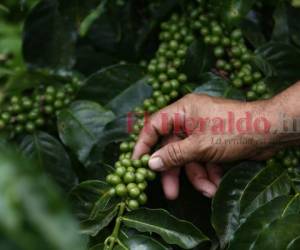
{"x": 77, "y": 85}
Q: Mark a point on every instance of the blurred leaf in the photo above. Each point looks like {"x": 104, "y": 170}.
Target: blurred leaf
{"x": 226, "y": 203}
{"x": 10, "y": 42}
{"x": 80, "y": 126}
{"x": 3, "y": 8}
{"x": 109, "y": 82}
{"x": 171, "y": 229}
{"x": 8, "y": 244}
{"x": 214, "y": 85}
{"x": 32, "y": 213}
{"x": 247, "y": 234}
{"x": 50, "y": 156}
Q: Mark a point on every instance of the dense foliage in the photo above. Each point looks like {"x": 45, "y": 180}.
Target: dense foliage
{"x": 67, "y": 180}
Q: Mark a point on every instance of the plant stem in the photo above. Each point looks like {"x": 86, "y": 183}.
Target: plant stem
{"x": 115, "y": 234}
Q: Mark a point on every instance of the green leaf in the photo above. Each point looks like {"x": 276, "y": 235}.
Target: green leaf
{"x": 130, "y": 98}
{"x": 294, "y": 244}
{"x": 50, "y": 156}
{"x": 281, "y": 30}
{"x": 33, "y": 215}
{"x": 286, "y": 28}
{"x": 21, "y": 80}
{"x": 94, "y": 206}
{"x": 171, "y": 229}
{"x": 252, "y": 28}
{"x": 93, "y": 226}
{"x": 80, "y": 126}
{"x": 85, "y": 195}
{"x": 199, "y": 59}
{"x": 109, "y": 82}
{"x": 226, "y": 203}
{"x": 248, "y": 232}
{"x": 214, "y": 85}
{"x": 113, "y": 133}
{"x": 129, "y": 32}
{"x": 141, "y": 242}
{"x": 294, "y": 25}
{"x": 50, "y": 28}
{"x": 279, "y": 62}
{"x": 293, "y": 206}
{"x": 91, "y": 17}
{"x": 269, "y": 183}
{"x": 26, "y": 80}
{"x": 279, "y": 234}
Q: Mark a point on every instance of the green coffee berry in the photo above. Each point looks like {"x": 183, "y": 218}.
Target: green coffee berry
{"x": 129, "y": 177}
{"x": 145, "y": 159}
{"x": 134, "y": 192}
{"x": 133, "y": 204}
{"x": 142, "y": 198}
{"x": 121, "y": 190}
{"x": 120, "y": 171}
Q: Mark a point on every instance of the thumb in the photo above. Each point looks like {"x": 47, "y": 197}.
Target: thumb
{"x": 174, "y": 154}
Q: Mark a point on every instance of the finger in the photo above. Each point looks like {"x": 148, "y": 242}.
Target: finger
{"x": 170, "y": 183}
{"x": 170, "y": 179}
{"x": 197, "y": 175}
{"x": 161, "y": 123}
{"x": 215, "y": 173}
{"x": 175, "y": 154}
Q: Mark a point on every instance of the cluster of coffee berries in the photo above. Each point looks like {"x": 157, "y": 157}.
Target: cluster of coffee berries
{"x": 233, "y": 58}
{"x": 25, "y": 114}
{"x": 164, "y": 69}
{"x": 165, "y": 78}
{"x": 130, "y": 178}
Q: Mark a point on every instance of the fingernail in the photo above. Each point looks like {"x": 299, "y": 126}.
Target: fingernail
{"x": 210, "y": 191}
{"x": 156, "y": 163}
{"x": 208, "y": 195}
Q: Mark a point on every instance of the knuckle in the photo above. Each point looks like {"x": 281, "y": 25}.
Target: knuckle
{"x": 175, "y": 154}
{"x": 198, "y": 98}
{"x": 191, "y": 96}
{"x": 213, "y": 153}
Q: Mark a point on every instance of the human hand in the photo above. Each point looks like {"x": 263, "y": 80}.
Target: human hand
{"x": 197, "y": 133}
